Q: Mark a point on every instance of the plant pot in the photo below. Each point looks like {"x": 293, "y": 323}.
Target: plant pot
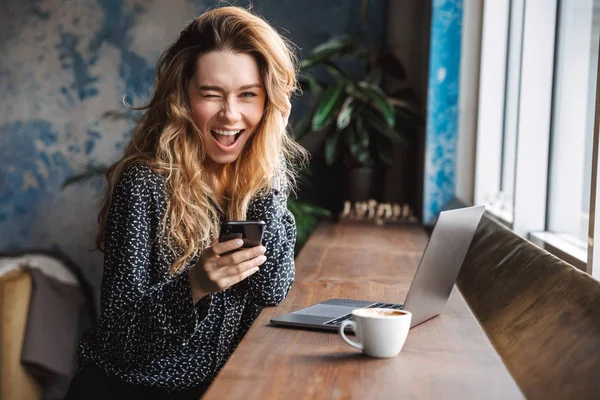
{"x": 361, "y": 184}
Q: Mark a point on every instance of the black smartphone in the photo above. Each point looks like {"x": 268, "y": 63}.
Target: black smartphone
{"x": 251, "y": 232}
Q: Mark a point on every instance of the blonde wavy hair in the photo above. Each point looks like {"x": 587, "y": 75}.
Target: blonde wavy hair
{"x": 167, "y": 140}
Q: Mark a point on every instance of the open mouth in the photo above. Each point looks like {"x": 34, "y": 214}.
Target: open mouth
{"x": 226, "y": 138}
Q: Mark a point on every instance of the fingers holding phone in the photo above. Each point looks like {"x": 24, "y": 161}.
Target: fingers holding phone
{"x": 234, "y": 261}
{"x": 226, "y": 263}
{"x": 239, "y": 264}
{"x": 215, "y": 272}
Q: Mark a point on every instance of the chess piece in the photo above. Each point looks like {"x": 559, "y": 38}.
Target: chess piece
{"x": 372, "y": 204}
{"x": 380, "y": 214}
{"x": 380, "y": 210}
{"x": 347, "y": 210}
{"x": 361, "y": 210}
{"x": 405, "y": 211}
{"x": 387, "y": 211}
{"x": 396, "y": 212}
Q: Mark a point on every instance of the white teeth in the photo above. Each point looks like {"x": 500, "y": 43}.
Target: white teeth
{"x": 226, "y": 133}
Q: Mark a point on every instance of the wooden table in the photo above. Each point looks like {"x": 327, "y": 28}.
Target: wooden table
{"x": 448, "y": 357}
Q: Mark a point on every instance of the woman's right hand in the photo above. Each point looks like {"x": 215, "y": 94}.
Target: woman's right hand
{"x": 215, "y": 272}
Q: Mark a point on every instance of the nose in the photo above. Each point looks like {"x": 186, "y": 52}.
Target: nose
{"x": 230, "y": 111}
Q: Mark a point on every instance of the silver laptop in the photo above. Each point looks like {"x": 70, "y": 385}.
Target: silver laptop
{"x": 437, "y": 272}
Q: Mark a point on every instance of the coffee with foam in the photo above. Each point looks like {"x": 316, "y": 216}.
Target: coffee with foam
{"x": 379, "y": 313}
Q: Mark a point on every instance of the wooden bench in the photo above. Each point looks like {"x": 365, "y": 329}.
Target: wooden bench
{"x": 541, "y": 314}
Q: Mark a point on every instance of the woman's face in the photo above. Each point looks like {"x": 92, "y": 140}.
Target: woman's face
{"x": 227, "y": 99}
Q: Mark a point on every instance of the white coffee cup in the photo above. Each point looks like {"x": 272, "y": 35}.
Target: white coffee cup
{"x": 380, "y": 332}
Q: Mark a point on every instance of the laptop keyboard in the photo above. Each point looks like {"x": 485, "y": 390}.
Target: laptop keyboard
{"x": 337, "y": 321}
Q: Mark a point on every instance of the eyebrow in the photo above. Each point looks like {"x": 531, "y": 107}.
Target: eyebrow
{"x": 220, "y": 89}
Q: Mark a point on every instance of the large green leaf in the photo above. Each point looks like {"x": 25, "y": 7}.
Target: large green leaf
{"x": 379, "y": 100}
{"x": 338, "y": 73}
{"x": 331, "y": 147}
{"x": 404, "y": 106}
{"x": 375, "y": 120}
{"x": 333, "y": 48}
{"x": 357, "y": 145}
{"x": 362, "y": 134}
{"x": 315, "y": 87}
{"x": 306, "y": 209}
{"x": 352, "y": 140}
{"x": 307, "y": 217}
{"x": 374, "y": 76}
{"x": 363, "y": 156}
{"x": 301, "y": 126}
{"x": 363, "y": 140}
{"x": 345, "y": 115}
{"x": 326, "y": 105}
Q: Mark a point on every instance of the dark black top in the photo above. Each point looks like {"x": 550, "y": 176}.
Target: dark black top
{"x": 150, "y": 332}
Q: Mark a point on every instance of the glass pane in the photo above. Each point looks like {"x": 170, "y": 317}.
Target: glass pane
{"x": 578, "y": 40}
{"x": 511, "y": 110}
{"x": 490, "y": 112}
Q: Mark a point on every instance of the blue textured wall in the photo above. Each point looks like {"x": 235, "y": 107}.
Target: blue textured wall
{"x": 442, "y": 107}
{"x": 64, "y": 63}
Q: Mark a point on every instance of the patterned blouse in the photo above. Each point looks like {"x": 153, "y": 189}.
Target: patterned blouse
{"x": 150, "y": 333}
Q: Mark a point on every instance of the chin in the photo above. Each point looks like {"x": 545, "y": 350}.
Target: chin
{"x": 223, "y": 159}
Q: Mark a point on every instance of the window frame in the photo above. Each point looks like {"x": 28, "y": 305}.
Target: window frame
{"x": 527, "y": 212}
{"x": 593, "y": 261}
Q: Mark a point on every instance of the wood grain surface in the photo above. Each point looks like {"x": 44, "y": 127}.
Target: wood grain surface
{"x": 447, "y": 357}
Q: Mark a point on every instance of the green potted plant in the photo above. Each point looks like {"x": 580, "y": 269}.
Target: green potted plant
{"x": 357, "y": 121}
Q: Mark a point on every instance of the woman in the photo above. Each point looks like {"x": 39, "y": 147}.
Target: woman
{"x": 209, "y": 147}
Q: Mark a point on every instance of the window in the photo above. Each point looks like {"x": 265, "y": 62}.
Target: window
{"x": 511, "y": 108}
{"x": 490, "y": 118}
{"x": 573, "y": 119}
{"x": 535, "y": 137}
